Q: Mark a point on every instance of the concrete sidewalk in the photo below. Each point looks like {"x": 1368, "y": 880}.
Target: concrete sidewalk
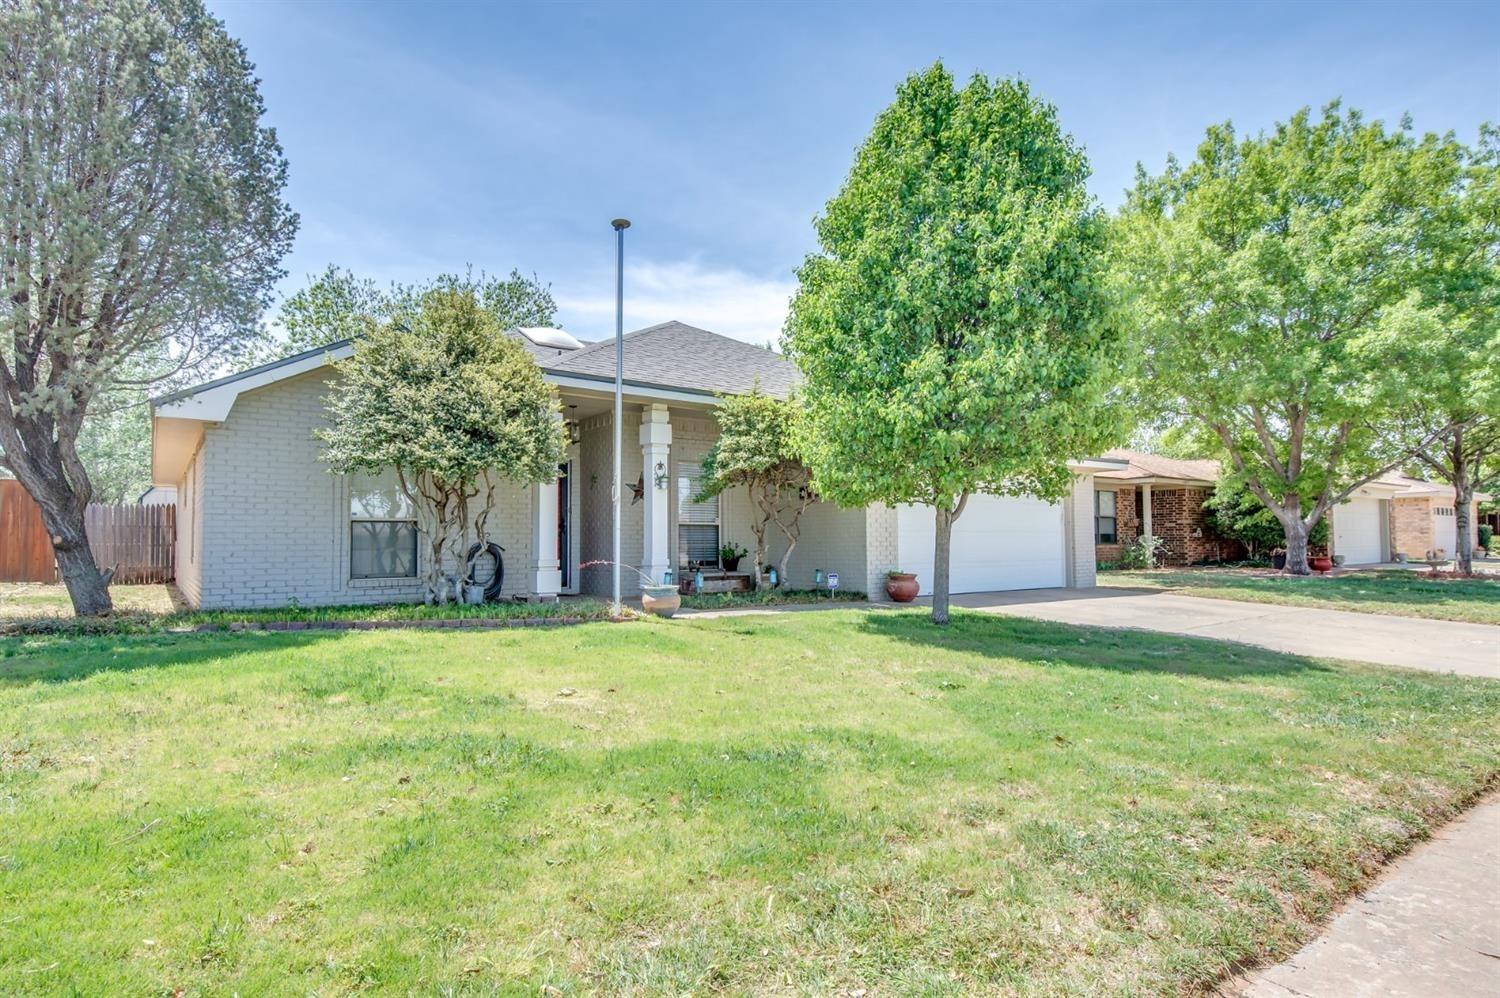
{"x": 1429, "y": 928}
{"x": 1431, "y": 645}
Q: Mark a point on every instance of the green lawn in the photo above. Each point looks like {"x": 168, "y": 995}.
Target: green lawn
{"x": 822, "y": 802}
{"x": 1393, "y": 591}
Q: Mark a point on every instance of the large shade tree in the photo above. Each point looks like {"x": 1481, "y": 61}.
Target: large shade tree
{"x": 441, "y": 395}
{"x": 953, "y": 328}
{"x": 1265, "y": 272}
{"x": 757, "y": 450}
{"x": 1446, "y": 342}
{"x": 339, "y": 305}
{"x": 140, "y": 199}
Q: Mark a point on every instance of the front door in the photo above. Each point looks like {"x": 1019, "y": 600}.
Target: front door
{"x": 564, "y": 547}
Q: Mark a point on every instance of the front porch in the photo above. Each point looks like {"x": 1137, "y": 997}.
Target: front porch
{"x": 663, "y": 528}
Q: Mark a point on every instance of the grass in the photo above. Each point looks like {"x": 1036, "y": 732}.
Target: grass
{"x": 148, "y": 609}
{"x": 829, "y": 802}
{"x": 768, "y": 597}
{"x": 1393, "y": 591}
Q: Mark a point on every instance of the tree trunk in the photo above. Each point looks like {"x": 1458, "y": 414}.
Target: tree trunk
{"x": 1463, "y": 512}
{"x": 1296, "y": 531}
{"x": 88, "y": 588}
{"x": 786, "y": 557}
{"x": 942, "y": 550}
{"x": 942, "y": 546}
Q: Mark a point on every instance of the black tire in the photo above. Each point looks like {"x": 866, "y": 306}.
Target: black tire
{"x": 493, "y": 587}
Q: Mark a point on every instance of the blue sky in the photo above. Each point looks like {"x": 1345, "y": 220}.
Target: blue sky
{"x": 427, "y": 137}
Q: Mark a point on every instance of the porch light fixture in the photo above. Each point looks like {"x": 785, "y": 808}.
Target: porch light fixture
{"x": 620, "y": 225}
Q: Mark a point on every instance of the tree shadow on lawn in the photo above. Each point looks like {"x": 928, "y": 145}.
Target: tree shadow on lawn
{"x": 1116, "y": 649}
{"x": 26, "y": 661}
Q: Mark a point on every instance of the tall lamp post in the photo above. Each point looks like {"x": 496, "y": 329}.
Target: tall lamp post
{"x": 620, "y": 225}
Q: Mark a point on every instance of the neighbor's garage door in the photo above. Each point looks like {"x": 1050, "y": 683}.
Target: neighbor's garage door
{"x": 1356, "y": 531}
{"x": 998, "y": 543}
{"x": 1444, "y": 527}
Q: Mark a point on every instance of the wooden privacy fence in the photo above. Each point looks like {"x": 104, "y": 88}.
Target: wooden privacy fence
{"x": 138, "y": 541}
{"x": 25, "y": 548}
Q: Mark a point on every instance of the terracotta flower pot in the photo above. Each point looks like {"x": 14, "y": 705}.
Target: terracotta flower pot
{"x": 660, "y": 600}
{"x": 1320, "y": 563}
{"x": 902, "y": 587}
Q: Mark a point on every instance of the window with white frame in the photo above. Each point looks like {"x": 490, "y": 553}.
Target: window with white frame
{"x": 697, "y": 522}
{"x": 382, "y": 528}
{"x": 1105, "y": 524}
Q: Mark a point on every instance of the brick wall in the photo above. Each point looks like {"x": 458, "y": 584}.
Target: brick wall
{"x": 1178, "y": 518}
{"x": 882, "y": 548}
{"x": 1078, "y": 520}
{"x": 189, "y": 575}
{"x": 1411, "y": 527}
{"x": 274, "y": 522}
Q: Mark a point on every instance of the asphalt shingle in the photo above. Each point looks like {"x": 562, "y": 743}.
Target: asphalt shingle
{"x": 676, "y": 355}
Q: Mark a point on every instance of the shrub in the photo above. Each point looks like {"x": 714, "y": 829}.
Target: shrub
{"x": 1143, "y": 552}
{"x": 1486, "y": 536}
{"x": 1237, "y": 513}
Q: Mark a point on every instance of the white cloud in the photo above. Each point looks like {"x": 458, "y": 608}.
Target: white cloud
{"x": 724, "y": 300}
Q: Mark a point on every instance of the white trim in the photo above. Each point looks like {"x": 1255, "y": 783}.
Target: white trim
{"x": 633, "y": 390}
{"x": 212, "y": 404}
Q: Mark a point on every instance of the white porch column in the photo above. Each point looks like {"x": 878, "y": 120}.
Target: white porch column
{"x": 656, "y": 465}
{"x": 546, "y": 569}
{"x": 1146, "y": 512}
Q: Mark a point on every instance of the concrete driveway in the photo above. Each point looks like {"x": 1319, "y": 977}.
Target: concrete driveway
{"x": 1432, "y": 645}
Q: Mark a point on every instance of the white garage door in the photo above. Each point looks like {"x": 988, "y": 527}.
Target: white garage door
{"x": 1444, "y": 527}
{"x": 998, "y": 543}
{"x": 1356, "y": 531}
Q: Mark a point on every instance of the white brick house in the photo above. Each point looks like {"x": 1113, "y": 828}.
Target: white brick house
{"x": 263, "y": 522}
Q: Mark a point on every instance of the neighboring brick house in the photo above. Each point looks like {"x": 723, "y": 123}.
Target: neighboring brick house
{"x": 1162, "y": 496}
{"x": 1423, "y": 517}
{"x": 1395, "y": 514}
{"x": 262, "y": 521}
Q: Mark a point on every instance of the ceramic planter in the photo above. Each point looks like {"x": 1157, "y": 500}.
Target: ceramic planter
{"x": 1320, "y": 563}
{"x": 902, "y": 586}
{"x": 732, "y": 564}
{"x": 662, "y": 601}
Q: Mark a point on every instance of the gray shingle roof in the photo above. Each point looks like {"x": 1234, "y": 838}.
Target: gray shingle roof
{"x": 676, "y": 355}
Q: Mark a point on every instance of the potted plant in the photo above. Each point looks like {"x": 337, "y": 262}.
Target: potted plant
{"x": 659, "y": 598}
{"x": 901, "y": 587}
{"x": 730, "y": 555}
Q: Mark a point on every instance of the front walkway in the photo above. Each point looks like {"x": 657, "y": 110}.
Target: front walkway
{"x": 1431, "y": 645}
{"x": 1430, "y": 927}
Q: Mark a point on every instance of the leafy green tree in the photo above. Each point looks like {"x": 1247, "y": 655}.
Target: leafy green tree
{"x": 448, "y": 401}
{"x": 954, "y": 330}
{"x": 1444, "y": 342}
{"x": 338, "y": 305}
{"x": 142, "y": 217}
{"x": 115, "y": 447}
{"x": 1263, "y": 272}
{"x": 335, "y": 306}
{"x": 757, "y": 449}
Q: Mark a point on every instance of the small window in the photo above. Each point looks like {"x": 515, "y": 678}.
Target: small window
{"x": 697, "y": 522}
{"x": 382, "y": 528}
{"x": 1104, "y": 518}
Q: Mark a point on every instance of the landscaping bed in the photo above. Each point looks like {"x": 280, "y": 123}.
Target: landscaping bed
{"x": 148, "y": 609}
{"x": 1475, "y": 599}
{"x": 827, "y": 802}
{"x": 767, "y": 597}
